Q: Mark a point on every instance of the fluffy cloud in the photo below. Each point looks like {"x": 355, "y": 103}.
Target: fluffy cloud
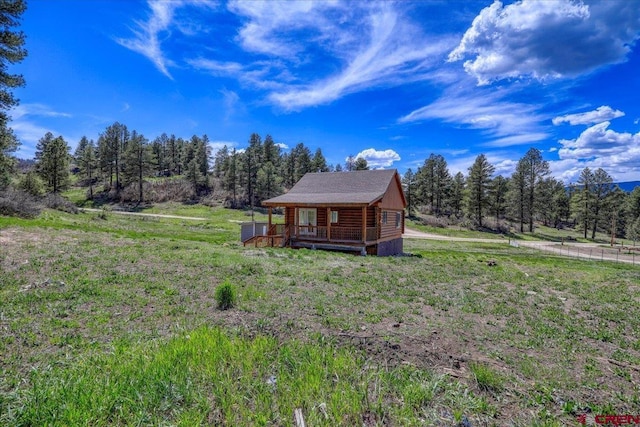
{"x": 599, "y": 115}
{"x": 378, "y": 159}
{"x": 599, "y": 146}
{"x": 547, "y": 39}
{"x": 599, "y": 140}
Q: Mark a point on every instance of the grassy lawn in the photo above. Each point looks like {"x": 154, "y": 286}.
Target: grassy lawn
{"x": 111, "y": 320}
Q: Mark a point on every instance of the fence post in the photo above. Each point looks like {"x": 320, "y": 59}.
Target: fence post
{"x": 602, "y": 256}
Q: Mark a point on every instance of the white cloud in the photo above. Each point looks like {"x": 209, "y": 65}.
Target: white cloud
{"x": 599, "y": 146}
{"x": 146, "y": 38}
{"x": 35, "y": 109}
{"x": 217, "y": 68}
{"x": 547, "y": 39}
{"x": 393, "y": 52}
{"x": 599, "y": 115}
{"x": 283, "y": 146}
{"x": 508, "y": 123}
{"x": 219, "y": 145}
{"x": 24, "y": 125}
{"x": 378, "y": 159}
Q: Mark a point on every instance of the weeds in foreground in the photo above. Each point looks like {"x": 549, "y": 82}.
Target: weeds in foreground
{"x": 210, "y": 377}
{"x": 225, "y": 295}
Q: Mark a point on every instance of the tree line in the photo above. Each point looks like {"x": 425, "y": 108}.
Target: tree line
{"x": 529, "y": 195}
{"x": 127, "y": 159}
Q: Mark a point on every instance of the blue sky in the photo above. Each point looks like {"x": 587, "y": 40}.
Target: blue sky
{"x": 390, "y": 81}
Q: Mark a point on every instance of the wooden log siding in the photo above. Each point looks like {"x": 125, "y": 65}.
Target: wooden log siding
{"x": 389, "y": 229}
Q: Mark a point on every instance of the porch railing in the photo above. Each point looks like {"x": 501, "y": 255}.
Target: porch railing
{"x": 335, "y": 234}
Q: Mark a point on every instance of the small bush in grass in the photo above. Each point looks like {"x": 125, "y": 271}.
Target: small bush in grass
{"x": 487, "y": 378}
{"x": 225, "y": 296}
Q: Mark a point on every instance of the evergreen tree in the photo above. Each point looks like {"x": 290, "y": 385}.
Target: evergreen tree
{"x": 632, "y": 211}
{"x": 251, "y": 162}
{"x": 478, "y": 188}
{"x": 138, "y": 162}
{"x": 268, "y": 182}
{"x": 498, "y": 197}
{"x": 535, "y": 169}
{"x": 318, "y": 162}
{"x": 271, "y": 152}
{"x": 434, "y": 183}
{"x": 221, "y": 162}
{"x": 175, "y": 155}
{"x": 409, "y": 183}
{"x": 602, "y": 189}
{"x": 548, "y": 199}
{"x": 52, "y": 162}
{"x": 583, "y": 198}
{"x": 456, "y": 198}
{"x": 11, "y": 52}
{"x": 517, "y": 194}
{"x": 230, "y": 177}
{"x": 115, "y": 139}
{"x": 159, "y": 148}
{"x": 302, "y": 161}
{"x": 361, "y": 164}
{"x": 87, "y": 161}
{"x": 31, "y": 183}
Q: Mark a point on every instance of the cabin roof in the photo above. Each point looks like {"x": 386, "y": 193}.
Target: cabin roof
{"x": 337, "y": 188}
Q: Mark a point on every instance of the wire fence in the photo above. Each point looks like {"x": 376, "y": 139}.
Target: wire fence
{"x": 619, "y": 253}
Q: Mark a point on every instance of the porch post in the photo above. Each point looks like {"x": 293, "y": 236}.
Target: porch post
{"x": 269, "y": 218}
{"x": 364, "y": 224}
{"x": 329, "y": 224}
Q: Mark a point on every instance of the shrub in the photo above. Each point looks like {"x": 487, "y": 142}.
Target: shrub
{"x": 225, "y": 295}
{"x": 19, "y": 203}
{"x": 31, "y": 183}
{"x": 57, "y": 202}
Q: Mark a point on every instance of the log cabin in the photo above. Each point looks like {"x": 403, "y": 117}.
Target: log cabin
{"x": 360, "y": 211}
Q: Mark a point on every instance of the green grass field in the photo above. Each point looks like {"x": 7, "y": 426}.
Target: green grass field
{"x": 108, "y": 319}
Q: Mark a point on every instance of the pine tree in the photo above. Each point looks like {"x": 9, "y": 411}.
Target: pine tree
{"x": 498, "y": 197}
{"x": 52, "y": 162}
{"x": 11, "y": 52}
{"x": 86, "y": 159}
{"x": 409, "y": 183}
{"x": 535, "y": 168}
{"x": 478, "y": 188}
{"x": 583, "y": 198}
{"x": 138, "y": 162}
{"x": 517, "y": 194}
{"x": 318, "y": 162}
{"x": 602, "y": 188}
{"x": 361, "y": 164}
{"x": 456, "y": 197}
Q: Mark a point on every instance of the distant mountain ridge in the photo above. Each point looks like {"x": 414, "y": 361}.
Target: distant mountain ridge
{"x": 627, "y": 186}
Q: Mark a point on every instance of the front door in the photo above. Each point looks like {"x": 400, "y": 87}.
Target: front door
{"x": 307, "y": 221}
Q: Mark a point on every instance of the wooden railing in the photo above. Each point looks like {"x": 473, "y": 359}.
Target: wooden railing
{"x": 335, "y": 234}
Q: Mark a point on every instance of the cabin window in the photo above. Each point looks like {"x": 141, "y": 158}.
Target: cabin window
{"x": 334, "y": 217}
{"x": 384, "y": 217}
{"x": 398, "y": 220}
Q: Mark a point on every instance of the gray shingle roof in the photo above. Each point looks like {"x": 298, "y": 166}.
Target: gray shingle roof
{"x": 360, "y": 187}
